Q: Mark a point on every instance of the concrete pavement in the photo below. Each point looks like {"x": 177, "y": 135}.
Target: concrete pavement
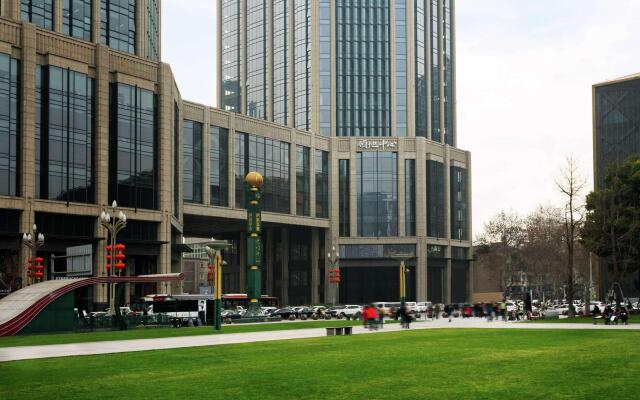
{"x": 123, "y": 346}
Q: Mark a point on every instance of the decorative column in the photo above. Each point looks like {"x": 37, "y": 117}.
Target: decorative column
{"x": 253, "y": 194}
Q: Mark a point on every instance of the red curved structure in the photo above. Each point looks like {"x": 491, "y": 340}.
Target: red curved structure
{"x": 22, "y": 306}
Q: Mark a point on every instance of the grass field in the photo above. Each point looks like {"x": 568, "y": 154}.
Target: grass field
{"x": 633, "y": 319}
{"x": 421, "y": 364}
{"x": 63, "y": 338}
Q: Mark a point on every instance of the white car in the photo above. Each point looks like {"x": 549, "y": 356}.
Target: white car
{"x": 423, "y": 306}
{"x": 349, "y": 310}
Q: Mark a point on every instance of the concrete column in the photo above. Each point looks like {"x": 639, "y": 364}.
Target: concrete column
{"x": 292, "y": 173}
{"x": 27, "y": 110}
{"x": 411, "y": 70}
{"x": 447, "y": 277}
{"x": 140, "y": 29}
{"x": 315, "y": 66}
{"x": 447, "y": 217}
{"x": 57, "y": 15}
{"x": 218, "y": 51}
{"x": 315, "y": 270}
{"x": 353, "y": 194}
{"x": 11, "y": 9}
{"x": 206, "y": 164}
{"x": 284, "y": 278}
{"x": 269, "y": 55}
{"x": 27, "y": 219}
{"x": 242, "y": 247}
{"x": 454, "y": 99}
{"x": 421, "y": 269}
{"x": 243, "y": 56}
{"x": 312, "y": 179}
{"x": 421, "y": 188}
{"x": 401, "y": 197}
{"x": 441, "y": 70}
{"x": 393, "y": 119}
{"x": 95, "y": 22}
{"x": 334, "y": 73}
{"x": 100, "y": 261}
{"x": 291, "y": 95}
{"x": 427, "y": 61}
{"x": 231, "y": 175}
{"x": 101, "y": 154}
{"x": 269, "y": 258}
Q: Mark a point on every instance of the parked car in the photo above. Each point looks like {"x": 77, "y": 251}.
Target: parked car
{"x": 349, "y": 310}
{"x": 423, "y": 306}
{"x": 268, "y": 310}
{"x": 285, "y": 313}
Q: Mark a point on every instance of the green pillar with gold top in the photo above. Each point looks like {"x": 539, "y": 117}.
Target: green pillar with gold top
{"x": 253, "y": 195}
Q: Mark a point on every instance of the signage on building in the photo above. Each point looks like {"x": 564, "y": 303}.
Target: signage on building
{"x": 78, "y": 262}
{"x": 377, "y": 144}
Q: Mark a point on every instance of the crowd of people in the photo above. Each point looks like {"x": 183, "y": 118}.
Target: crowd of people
{"x": 611, "y": 315}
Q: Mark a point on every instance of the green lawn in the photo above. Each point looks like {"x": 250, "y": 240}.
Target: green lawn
{"x": 420, "y": 364}
{"x": 62, "y": 338}
{"x": 633, "y": 319}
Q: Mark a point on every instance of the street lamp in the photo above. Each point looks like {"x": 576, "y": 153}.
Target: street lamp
{"x": 334, "y": 272}
{"x": 115, "y": 258}
{"x": 403, "y": 275}
{"x": 214, "y": 248}
{"x": 34, "y": 241}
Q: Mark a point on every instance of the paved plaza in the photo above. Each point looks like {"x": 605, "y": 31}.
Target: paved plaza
{"x": 123, "y": 346}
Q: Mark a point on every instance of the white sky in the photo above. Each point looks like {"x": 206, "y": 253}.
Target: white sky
{"x": 524, "y": 75}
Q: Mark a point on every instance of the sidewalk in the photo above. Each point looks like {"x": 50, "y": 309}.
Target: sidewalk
{"x": 123, "y": 346}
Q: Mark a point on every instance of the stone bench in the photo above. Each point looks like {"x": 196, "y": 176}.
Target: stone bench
{"x": 340, "y": 331}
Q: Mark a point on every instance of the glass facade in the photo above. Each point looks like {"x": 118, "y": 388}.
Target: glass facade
{"x": 230, "y": 86}
{"x": 325, "y": 67}
{"x": 458, "y": 187}
{"x": 192, "y": 161}
{"x": 280, "y": 61}
{"x": 401, "y": 68}
{"x": 218, "y": 166}
{"x": 257, "y": 59}
{"x": 38, "y": 12}
{"x": 152, "y": 19}
{"x": 343, "y": 198}
{"x": 449, "y": 126}
{"x": 436, "y": 267}
{"x": 270, "y": 158}
{"x": 421, "y": 81}
{"x": 435, "y": 199}
{"x": 9, "y": 125}
{"x": 377, "y": 188}
{"x": 118, "y": 24}
{"x": 76, "y": 18}
{"x": 302, "y": 64}
{"x": 133, "y": 153}
{"x": 410, "y": 197}
{"x": 64, "y": 135}
{"x": 322, "y": 184}
{"x": 363, "y": 68}
{"x": 617, "y": 124}
{"x": 302, "y": 181}
{"x": 435, "y": 71}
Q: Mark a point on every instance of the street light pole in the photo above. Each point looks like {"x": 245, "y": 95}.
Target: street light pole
{"x": 34, "y": 242}
{"x": 113, "y": 224}
{"x": 334, "y": 272}
{"x": 214, "y": 254}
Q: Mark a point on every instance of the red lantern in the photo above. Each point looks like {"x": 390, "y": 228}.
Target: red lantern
{"x": 108, "y": 266}
{"x": 108, "y": 247}
{"x": 120, "y": 247}
{"x": 119, "y": 266}
{"x": 119, "y": 256}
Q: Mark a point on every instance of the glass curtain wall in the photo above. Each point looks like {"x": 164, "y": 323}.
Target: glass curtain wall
{"x": 38, "y": 12}
{"x": 280, "y": 60}
{"x": 435, "y": 71}
{"x": 322, "y": 184}
{"x": 377, "y": 186}
{"x": 302, "y": 64}
{"x": 302, "y": 180}
{"x": 230, "y": 87}
{"x": 9, "y": 125}
{"x": 421, "y": 67}
{"x": 410, "y": 197}
{"x": 218, "y": 166}
{"x": 435, "y": 199}
{"x": 436, "y": 266}
{"x": 192, "y": 161}
{"x": 64, "y": 135}
{"x": 118, "y": 24}
{"x": 449, "y": 126}
{"x": 133, "y": 155}
{"x": 458, "y": 189}
{"x": 325, "y": 67}
{"x": 257, "y": 59}
{"x": 76, "y": 18}
{"x": 152, "y": 16}
{"x": 343, "y": 198}
{"x": 270, "y": 158}
{"x": 363, "y": 68}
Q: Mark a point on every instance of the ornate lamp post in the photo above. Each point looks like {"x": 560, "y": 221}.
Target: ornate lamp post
{"x": 115, "y": 258}
{"x": 253, "y": 195}
{"x": 215, "y": 277}
{"x": 403, "y": 275}
{"x": 334, "y": 272}
{"x": 35, "y": 269}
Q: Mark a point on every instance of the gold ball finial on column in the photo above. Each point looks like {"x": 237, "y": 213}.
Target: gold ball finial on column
{"x": 254, "y": 179}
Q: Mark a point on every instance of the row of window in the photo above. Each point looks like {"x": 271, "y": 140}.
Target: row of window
{"x": 117, "y": 21}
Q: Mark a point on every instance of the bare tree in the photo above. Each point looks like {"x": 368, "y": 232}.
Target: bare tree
{"x": 571, "y": 184}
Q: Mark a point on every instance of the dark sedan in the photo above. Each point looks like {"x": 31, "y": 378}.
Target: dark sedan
{"x": 284, "y": 313}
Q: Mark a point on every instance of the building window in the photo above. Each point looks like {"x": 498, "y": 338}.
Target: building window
{"x": 325, "y": 67}
{"x": 9, "y": 125}
{"x": 449, "y": 126}
{"x": 118, "y": 24}
{"x": 401, "y": 68}
{"x": 38, "y": 12}
{"x": 152, "y": 32}
{"x": 458, "y": 189}
{"x": 176, "y": 160}
{"x": 322, "y": 184}
{"x": 218, "y": 170}
{"x": 270, "y": 158}
{"x": 302, "y": 180}
{"x": 343, "y": 198}
{"x": 410, "y": 197}
{"x": 281, "y": 36}
{"x": 64, "y": 135}
{"x": 76, "y": 18}
{"x": 133, "y": 155}
{"x": 421, "y": 70}
{"x": 377, "y": 185}
{"x": 302, "y": 64}
{"x": 257, "y": 59}
{"x": 363, "y": 67}
{"x": 230, "y": 94}
{"x": 192, "y": 161}
{"x": 435, "y": 71}
{"x": 435, "y": 199}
